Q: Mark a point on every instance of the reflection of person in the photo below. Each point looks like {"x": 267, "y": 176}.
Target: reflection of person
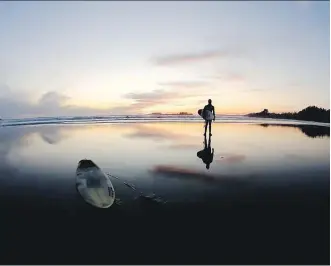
{"x": 207, "y": 154}
{"x": 208, "y": 110}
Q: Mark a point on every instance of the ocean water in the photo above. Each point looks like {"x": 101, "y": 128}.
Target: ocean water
{"x": 146, "y": 119}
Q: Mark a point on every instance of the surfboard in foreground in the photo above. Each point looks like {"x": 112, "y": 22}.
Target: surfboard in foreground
{"x": 94, "y": 185}
{"x": 207, "y": 115}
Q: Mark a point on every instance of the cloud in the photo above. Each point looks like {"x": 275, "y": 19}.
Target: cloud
{"x": 145, "y": 100}
{"x": 190, "y": 57}
{"x": 155, "y": 96}
{"x": 4, "y": 90}
{"x": 53, "y": 98}
{"x": 13, "y": 108}
{"x": 14, "y": 105}
{"x": 253, "y": 90}
{"x": 184, "y": 84}
{"x": 235, "y": 77}
{"x": 52, "y": 103}
{"x": 55, "y": 104}
{"x": 199, "y": 102}
{"x": 230, "y": 77}
{"x": 178, "y": 90}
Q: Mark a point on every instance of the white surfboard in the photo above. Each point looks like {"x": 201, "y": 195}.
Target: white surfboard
{"x": 209, "y": 115}
{"x": 94, "y": 185}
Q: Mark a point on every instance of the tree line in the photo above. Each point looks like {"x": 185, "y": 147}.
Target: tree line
{"x": 311, "y": 113}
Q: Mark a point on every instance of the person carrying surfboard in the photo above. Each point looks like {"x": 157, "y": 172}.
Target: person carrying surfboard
{"x": 209, "y": 115}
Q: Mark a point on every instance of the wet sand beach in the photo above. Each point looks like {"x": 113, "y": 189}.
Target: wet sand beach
{"x": 263, "y": 200}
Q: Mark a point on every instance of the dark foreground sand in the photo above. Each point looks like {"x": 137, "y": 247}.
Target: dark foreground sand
{"x": 264, "y": 200}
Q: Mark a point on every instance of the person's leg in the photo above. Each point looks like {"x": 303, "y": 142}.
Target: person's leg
{"x": 210, "y": 128}
{"x": 205, "y": 142}
{"x": 206, "y": 122}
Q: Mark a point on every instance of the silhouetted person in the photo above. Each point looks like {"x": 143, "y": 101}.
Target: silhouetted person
{"x": 207, "y": 154}
{"x": 208, "y": 110}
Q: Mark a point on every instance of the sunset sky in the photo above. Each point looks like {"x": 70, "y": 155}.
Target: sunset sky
{"x": 89, "y": 58}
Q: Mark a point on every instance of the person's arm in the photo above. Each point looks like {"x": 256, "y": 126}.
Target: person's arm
{"x": 214, "y": 113}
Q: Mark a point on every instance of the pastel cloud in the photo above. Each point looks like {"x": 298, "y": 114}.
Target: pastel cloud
{"x": 53, "y": 103}
{"x": 230, "y": 76}
{"x": 175, "y": 59}
{"x": 184, "y": 84}
{"x": 50, "y": 103}
{"x": 175, "y": 94}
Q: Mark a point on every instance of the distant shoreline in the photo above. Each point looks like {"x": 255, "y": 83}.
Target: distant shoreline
{"x": 181, "y": 113}
{"x": 311, "y": 113}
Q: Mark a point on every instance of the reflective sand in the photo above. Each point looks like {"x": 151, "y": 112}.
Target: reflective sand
{"x": 265, "y": 183}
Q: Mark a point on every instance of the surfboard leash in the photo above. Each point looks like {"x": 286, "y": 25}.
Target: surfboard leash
{"x": 152, "y": 197}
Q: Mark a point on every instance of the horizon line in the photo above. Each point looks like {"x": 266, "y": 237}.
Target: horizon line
{"x": 31, "y": 117}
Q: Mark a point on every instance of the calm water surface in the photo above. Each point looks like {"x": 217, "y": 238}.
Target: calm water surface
{"x": 288, "y": 165}
{"x": 162, "y": 158}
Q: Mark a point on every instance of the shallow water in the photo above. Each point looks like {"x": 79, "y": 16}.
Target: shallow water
{"x": 162, "y": 158}
{"x": 257, "y": 170}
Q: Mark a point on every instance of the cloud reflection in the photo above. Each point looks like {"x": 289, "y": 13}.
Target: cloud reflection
{"x": 152, "y": 132}
{"x": 52, "y": 135}
{"x": 184, "y": 146}
{"x": 171, "y": 171}
{"x": 235, "y": 158}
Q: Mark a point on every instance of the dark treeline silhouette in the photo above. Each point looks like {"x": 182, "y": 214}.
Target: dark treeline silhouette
{"x": 311, "y": 113}
{"x": 308, "y": 130}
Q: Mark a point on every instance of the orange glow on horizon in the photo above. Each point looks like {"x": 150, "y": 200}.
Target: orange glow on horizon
{"x": 129, "y": 106}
